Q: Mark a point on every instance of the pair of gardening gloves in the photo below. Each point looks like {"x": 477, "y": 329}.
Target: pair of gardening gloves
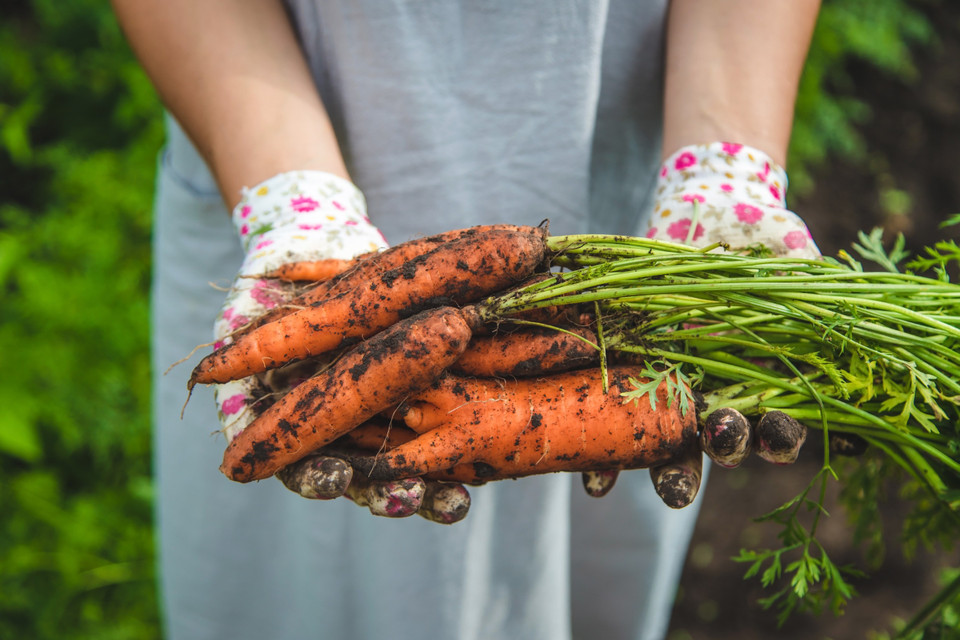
{"x": 714, "y": 193}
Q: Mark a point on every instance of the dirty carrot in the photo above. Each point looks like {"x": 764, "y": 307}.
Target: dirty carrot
{"x": 372, "y": 376}
{"x": 314, "y": 271}
{"x": 483, "y": 430}
{"x": 455, "y": 272}
{"x": 529, "y": 351}
{"x": 361, "y": 271}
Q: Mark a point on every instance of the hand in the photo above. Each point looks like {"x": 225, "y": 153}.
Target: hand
{"x": 731, "y": 194}
{"x": 735, "y": 195}
{"x": 300, "y": 218}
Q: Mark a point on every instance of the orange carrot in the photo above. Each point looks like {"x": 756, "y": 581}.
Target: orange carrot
{"x": 455, "y": 272}
{"x": 528, "y": 352}
{"x": 375, "y": 436}
{"x": 361, "y": 271}
{"x": 476, "y": 430}
{"x": 314, "y": 270}
{"x": 372, "y": 376}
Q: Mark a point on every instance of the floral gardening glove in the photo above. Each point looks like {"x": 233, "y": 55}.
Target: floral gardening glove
{"x": 735, "y": 195}
{"x": 729, "y": 193}
{"x": 296, "y": 217}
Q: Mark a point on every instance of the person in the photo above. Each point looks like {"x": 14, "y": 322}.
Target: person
{"x": 429, "y": 116}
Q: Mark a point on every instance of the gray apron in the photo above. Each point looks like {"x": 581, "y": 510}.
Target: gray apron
{"x": 449, "y": 116}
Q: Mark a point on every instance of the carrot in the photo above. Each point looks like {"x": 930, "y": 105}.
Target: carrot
{"x": 455, "y": 272}
{"x": 314, "y": 270}
{"x": 360, "y": 271}
{"x": 372, "y": 376}
{"x": 373, "y": 436}
{"x": 528, "y": 352}
{"x": 476, "y": 430}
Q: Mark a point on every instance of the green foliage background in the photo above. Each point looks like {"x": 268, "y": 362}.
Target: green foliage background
{"x": 80, "y": 128}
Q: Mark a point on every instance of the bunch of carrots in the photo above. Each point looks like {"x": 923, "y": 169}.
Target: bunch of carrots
{"x": 500, "y": 352}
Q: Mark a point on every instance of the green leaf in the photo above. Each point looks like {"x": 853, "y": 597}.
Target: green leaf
{"x": 18, "y": 430}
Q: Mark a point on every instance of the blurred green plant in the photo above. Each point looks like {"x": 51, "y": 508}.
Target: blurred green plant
{"x": 79, "y": 130}
{"x": 882, "y": 33}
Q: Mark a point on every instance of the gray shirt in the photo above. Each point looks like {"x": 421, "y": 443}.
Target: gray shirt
{"x": 489, "y": 111}
{"x": 450, "y": 114}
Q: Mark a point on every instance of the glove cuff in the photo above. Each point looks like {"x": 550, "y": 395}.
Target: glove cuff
{"x": 727, "y": 193}
{"x": 303, "y": 215}
{"x": 734, "y": 171}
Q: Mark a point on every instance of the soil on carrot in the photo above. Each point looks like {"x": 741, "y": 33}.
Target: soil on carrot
{"x": 914, "y": 140}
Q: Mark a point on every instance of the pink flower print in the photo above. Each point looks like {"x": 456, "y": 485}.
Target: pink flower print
{"x": 266, "y": 294}
{"x": 747, "y": 213}
{"x": 796, "y": 239}
{"x": 680, "y": 229}
{"x": 652, "y": 232}
{"x": 303, "y": 204}
{"x": 339, "y": 206}
{"x": 244, "y": 230}
{"x": 238, "y": 321}
{"x": 310, "y": 227}
{"x": 726, "y": 187}
{"x": 684, "y": 160}
{"x": 731, "y": 148}
{"x": 218, "y": 344}
{"x": 234, "y": 319}
{"x": 233, "y": 404}
{"x": 351, "y": 223}
{"x": 763, "y": 175}
{"x": 775, "y": 191}
{"x": 663, "y": 172}
{"x": 245, "y": 211}
{"x": 693, "y": 197}
{"x": 262, "y": 244}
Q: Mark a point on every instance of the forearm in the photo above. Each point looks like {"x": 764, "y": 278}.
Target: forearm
{"x": 232, "y": 74}
{"x": 732, "y": 71}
